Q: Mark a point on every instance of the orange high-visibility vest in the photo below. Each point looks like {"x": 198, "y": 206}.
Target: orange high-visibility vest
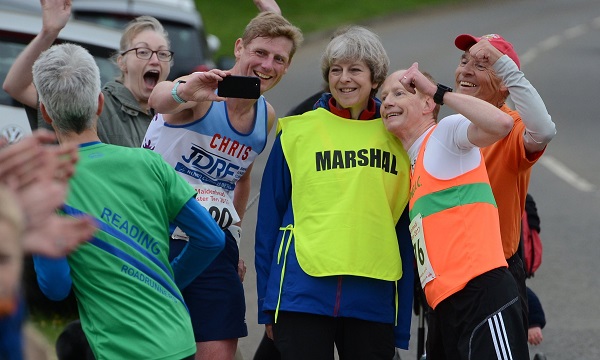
{"x": 460, "y": 227}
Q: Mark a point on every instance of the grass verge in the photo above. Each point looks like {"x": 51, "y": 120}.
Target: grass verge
{"x": 227, "y": 18}
{"x": 49, "y": 326}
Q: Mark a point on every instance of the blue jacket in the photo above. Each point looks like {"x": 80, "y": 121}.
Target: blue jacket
{"x": 337, "y": 296}
{"x": 11, "y": 332}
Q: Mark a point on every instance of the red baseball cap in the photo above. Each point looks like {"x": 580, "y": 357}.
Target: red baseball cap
{"x": 465, "y": 41}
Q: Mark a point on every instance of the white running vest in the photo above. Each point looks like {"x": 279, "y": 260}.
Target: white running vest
{"x": 210, "y": 155}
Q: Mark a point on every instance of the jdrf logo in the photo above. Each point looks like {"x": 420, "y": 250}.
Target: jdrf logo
{"x": 211, "y": 164}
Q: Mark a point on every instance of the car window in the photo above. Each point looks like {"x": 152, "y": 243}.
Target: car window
{"x": 187, "y": 58}
{"x": 14, "y": 123}
{"x": 11, "y": 45}
{"x": 8, "y": 52}
{"x": 16, "y": 120}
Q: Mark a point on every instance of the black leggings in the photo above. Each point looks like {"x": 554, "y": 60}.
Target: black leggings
{"x": 516, "y": 268}
{"x": 266, "y": 350}
{"x": 300, "y": 336}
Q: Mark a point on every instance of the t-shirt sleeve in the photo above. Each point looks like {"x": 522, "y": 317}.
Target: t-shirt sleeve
{"x": 177, "y": 190}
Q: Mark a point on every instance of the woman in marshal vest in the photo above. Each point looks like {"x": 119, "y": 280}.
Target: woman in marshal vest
{"x": 334, "y": 259}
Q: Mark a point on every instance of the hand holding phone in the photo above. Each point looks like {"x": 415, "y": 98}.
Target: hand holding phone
{"x": 235, "y": 86}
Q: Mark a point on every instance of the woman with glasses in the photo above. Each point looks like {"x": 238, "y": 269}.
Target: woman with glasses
{"x": 144, "y": 59}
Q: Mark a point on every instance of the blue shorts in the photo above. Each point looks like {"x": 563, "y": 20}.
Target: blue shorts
{"x": 216, "y": 299}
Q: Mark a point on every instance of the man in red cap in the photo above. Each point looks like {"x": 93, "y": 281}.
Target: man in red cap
{"x": 489, "y": 69}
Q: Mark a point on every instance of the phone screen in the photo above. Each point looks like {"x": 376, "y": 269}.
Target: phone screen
{"x": 244, "y": 87}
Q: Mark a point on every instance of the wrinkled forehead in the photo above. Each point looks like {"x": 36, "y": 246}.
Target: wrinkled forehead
{"x": 392, "y": 80}
{"x": 270, "y": 41}
{"x": 278, "y": 45}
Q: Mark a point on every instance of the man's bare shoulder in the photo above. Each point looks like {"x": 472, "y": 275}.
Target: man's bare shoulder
{"x": 272, "y": 116}
{"x": 188, "y": 115}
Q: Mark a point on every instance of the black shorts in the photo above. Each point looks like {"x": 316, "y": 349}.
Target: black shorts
{"x": 481, "y": 321}
{"x": 216, "y": 299}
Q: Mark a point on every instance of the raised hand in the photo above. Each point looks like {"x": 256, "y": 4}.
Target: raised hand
{"x": 20, "y": 162}
{"x": 58, "y": 235}
{"x": 413, "y": 80}
{"x": 55, "y": 14}
{"x": 267, "y": 5}
{"x": 201, "y": 86}
{"x": 485, "y": 53}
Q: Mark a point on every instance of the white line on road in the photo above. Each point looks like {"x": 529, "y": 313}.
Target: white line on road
{"x": 563, "y": 172}
{"x": 552, "y": 164}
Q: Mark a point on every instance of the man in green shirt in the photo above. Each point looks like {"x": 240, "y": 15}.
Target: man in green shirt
{"x": 128, "y": 293}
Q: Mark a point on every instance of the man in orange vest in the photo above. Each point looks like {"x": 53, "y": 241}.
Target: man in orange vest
{"x": 454, "y": 218}
{"x": 489, "y": 69}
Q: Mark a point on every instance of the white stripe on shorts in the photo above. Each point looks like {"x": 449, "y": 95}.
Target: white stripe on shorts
{"x": 499, "y": 337}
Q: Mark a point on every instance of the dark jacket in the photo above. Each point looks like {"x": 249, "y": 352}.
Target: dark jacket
{"x": 537, "y": 317}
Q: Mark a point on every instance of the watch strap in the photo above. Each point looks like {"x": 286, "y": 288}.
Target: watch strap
{"x": 438, "y": 98}
{"x": 174, "y": 92}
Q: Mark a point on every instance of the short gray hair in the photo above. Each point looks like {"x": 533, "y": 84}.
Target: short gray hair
{"x": 356, "y": 43}
{"x": 67, "y": 80}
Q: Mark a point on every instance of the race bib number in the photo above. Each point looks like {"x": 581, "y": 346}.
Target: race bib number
{"x": 426, "y": 273}
{"x": 218, "y": 203}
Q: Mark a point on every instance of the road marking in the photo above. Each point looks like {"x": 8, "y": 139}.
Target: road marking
{"x": 563, "y": 172}
{"x": 576, "y": 31}
{"x": 552, "y": 164}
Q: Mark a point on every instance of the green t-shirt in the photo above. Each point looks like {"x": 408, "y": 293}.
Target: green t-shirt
{"x": 129, "y": 305}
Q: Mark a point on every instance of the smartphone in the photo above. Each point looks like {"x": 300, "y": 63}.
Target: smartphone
{"x": 245, "y": 87}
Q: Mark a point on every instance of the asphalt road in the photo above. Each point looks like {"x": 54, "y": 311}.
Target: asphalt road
{"x": 559, "y": 45}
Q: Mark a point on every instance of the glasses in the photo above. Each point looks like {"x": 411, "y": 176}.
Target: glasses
{"x": 146, "y": 54}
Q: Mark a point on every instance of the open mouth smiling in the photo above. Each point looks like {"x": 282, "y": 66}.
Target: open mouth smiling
{"x": 262, "y": 76}
{"x": 392, "y": 114}
{"x": 347, "y": 90}
{"x": 151, "y": 78}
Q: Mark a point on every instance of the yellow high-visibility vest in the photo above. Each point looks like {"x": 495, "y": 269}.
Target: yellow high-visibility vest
{"x": 350, "y": 184}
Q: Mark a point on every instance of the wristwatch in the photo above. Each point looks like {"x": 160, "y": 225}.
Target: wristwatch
{"x": 438, "y": 98}
{"x": 174, "y": 92}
